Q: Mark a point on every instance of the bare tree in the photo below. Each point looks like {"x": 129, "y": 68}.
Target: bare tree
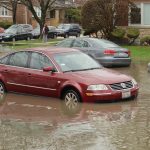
{"x": 43, "y": 5}
{"x": 10, "y": 5}
{"x": 103, "y": 15}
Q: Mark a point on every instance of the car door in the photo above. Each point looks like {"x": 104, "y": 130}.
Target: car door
{"x": 15, "y": 73}
{"x": 40, "y": 82}
{"x": 19, "y": 35}
{"x": 24, "y": 34}
{"x": 75, "y": 29}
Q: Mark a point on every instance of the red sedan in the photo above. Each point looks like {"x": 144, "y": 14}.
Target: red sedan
{"x": 64, "y": 73}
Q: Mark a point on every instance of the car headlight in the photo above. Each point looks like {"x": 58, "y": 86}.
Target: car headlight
{"x": 97, "y": 87}
{"x": 134, "y": 82}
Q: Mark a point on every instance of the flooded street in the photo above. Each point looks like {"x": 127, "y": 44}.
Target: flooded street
{"x": 42, "y": 123}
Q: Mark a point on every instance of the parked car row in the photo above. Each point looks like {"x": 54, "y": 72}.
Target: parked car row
{"x": 26, "y": 32}
{"x": 51, "y": 34}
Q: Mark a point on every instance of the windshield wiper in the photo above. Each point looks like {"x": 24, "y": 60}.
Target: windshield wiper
{"x": 82, "y": 69}
{"x": 95, "y": 68}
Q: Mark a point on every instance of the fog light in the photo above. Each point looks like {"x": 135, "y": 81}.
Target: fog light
{"x": 89, "y": 94}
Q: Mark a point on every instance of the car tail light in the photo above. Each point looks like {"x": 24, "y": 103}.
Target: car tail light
{"x": 109, "y": 52}
{"x": 128, "y": 52}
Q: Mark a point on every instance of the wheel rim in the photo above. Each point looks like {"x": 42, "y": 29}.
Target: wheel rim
{"x": 2, "y": 91}
{"x": 71, "y": 100}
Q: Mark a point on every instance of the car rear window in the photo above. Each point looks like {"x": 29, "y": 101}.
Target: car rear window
{"x": 103, "y": 43}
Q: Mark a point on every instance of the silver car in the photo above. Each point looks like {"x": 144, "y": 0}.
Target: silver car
{"x": 105, "y": 52}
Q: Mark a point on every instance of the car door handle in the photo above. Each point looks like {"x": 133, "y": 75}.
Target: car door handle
{"x": 5, "y": 70}
{"x": 29, "y": 74}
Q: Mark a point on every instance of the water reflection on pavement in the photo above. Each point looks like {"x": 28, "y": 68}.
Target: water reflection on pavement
{"x": 43, "y": 123}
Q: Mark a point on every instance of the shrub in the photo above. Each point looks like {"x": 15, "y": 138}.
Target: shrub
{"x": 118, "y": 33}
{"x": 5, "y": 24}
{"x": 133, "y": 33}
{"x": 145, "y": 40}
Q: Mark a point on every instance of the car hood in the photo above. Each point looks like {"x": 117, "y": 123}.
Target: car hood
{"x": 6, "y": 34}
{"x": 100, "y": 76}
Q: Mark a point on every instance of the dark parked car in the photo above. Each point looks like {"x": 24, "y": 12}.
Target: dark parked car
{"x": 51, "y": 34}
{"x": 14, "y": 33}
{"x": 105, "y": 52}
{"x": 26, "y": 27}
{"x": 64, "y": 73}
{"x": 66, "y": 30}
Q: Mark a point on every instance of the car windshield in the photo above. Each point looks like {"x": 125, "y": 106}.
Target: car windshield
{"x": 75, "y": 61}
{"x": 104, "y": 43}
{"x": 11, "y": 30}
{"x": 63, "y": 26}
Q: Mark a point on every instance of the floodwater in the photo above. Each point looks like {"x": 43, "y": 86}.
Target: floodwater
{"x": 42, "y": 123}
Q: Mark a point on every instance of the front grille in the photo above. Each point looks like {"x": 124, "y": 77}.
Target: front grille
{"x": 122, "y": 85}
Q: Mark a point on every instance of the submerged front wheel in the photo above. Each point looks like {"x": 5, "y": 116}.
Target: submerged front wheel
{"x": 71, "y": 99}
{"x": 71, "y": 104}
{"x": 2, "y": 91}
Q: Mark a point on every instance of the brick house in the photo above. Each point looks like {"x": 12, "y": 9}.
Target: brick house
{"x": 142, "y": 13}
{"x": 54, "y": 17}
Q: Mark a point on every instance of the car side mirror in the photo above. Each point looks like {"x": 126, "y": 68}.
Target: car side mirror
{"x": 49, "y": 69}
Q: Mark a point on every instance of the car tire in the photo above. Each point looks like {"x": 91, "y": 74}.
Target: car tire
{"x": 28, "y": 38}
{"x": 78, "y": 35}
{"x": 13, "y": 39}
{"x": 66, "y": 36}
{"x": 71, "y": 99}
{"x": 2, "y": 91}
{"x": 54, "y": 36}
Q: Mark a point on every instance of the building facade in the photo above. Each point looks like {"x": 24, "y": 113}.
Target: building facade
{"x": 24, "y": 16}
{"x": 139, "y": 16}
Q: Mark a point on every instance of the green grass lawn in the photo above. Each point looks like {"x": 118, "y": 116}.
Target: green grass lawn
{"x": 139, "y": 53}
{"x": 18, "y": 45}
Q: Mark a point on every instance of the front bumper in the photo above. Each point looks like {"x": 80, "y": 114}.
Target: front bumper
{"x": 109, "y": 95}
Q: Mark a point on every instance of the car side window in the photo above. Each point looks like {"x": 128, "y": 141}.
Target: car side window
{"x": 86, "y": 44}
{"x": 78, "y": 43}
{"x": 66, "y": 43}
{"x": 81, "y": 43}
{"x": 19, "y": 59}
{"x": 39, "y": 61}
{"x": 19, "y": 30}
{"x": 4, "y": 60}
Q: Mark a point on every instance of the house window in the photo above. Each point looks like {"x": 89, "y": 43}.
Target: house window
{"x": 4, "y": 12}
{"x": 146, "y": 12}
{"x": 52, "y": 14}
{"x": 140, "y": 15}
{"x": 135, "y": 15}
{"x": 38, "y": 11}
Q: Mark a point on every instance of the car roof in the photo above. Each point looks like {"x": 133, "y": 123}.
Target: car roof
{"x": 51, "y": 50}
